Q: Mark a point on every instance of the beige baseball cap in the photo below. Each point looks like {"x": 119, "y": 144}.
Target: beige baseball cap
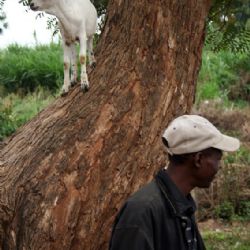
{"x": 193, "y": 133}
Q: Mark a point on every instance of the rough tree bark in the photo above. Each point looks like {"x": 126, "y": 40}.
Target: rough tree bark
{"x": 65, "y": 174}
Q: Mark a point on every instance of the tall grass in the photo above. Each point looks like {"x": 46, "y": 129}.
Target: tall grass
{"x": 23, "y": 69}
{"x": 220, "y": 72}
{"x": 16, "y": 110}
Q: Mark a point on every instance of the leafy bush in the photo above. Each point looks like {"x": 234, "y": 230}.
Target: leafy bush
{"x": 224, "y": 75}
{"x": 225, "y": 210}
{"x": 243, "y": 210}
{"x": 23, "y": 69}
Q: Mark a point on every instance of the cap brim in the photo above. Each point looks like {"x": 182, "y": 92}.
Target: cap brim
{"x": 228, "y": 144}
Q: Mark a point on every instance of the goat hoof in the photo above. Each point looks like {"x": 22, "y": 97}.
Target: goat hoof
{"x": 73, "y": 83}
{"x": 64, "y": 93}
{"x": 93, "y": 65}
{"x": 85, "y": 88}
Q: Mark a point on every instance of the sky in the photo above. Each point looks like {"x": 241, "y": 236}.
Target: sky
{"x": 21, "y": 26}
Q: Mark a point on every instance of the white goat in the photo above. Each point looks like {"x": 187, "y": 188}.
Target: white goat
{"x": 77, "y": 22}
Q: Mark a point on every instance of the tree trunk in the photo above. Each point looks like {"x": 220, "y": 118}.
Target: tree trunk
{"x": 65, "y": 174}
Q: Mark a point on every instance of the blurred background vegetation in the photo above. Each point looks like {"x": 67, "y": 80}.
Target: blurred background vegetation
{"x": 31, "y": 77}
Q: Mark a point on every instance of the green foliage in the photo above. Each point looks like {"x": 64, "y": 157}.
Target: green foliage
{"x": 234, "y": 39}
{"x": 208, "y": 90}
{"x": 225, "y": 211}
{"x": 243, "y": 210}
{"x": 228, "y": 26}
{"x": 224, "y": 75}
{"x": 23, "y": 69}
{"x": 242, "y": 156}
{"x": 15, "y": 110}
{"x": 7, "y": 124}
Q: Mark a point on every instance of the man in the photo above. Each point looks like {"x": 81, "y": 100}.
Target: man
{"x": 160, "y": 216}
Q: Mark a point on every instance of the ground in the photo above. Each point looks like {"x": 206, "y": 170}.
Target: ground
{"x": 219, "y": 235}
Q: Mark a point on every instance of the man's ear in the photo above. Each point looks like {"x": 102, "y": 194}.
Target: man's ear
{"x": 198, "y": 159}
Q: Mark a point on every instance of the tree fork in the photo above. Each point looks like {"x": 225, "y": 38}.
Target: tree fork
{"x": 65, "y": 174}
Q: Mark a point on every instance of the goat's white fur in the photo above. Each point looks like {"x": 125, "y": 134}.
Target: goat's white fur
{"x": 77, "y": 22}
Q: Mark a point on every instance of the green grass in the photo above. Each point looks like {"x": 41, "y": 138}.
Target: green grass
{"x": 242, "y": 156}
{"x": 219, "y": 72}
{"x": 15, "y": 110}
{"x": 237, "y": 238}
{"x": 28, "y": 79}
{"x": 23, "y": 69}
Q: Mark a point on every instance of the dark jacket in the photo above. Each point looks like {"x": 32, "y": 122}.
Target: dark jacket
{"x": 157, "y": 217}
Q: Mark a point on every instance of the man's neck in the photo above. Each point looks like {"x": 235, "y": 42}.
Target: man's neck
{"x": 181, "y": 178}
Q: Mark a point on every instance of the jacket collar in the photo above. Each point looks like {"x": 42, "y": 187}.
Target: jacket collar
{"x": 181, "y": 204}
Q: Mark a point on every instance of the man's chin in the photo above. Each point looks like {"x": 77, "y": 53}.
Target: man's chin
{"x": 205, "y": 185}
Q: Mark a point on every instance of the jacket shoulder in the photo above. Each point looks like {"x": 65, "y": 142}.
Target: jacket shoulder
{"x": 142, "y": 206}
{"x": 147, "y": 194}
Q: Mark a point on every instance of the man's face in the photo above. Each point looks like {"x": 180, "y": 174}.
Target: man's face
{"x": 209, "y": 165}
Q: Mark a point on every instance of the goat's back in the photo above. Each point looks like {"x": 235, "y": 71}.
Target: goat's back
{"x": 82, "y": 12}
